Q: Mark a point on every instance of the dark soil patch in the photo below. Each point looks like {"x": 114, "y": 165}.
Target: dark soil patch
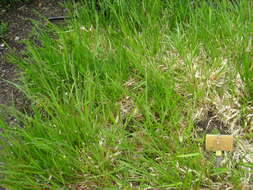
{"x": 211, "y": 124}
{"x": 19, "y": 19}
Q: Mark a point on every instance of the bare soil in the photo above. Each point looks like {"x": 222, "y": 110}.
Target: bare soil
{"x": 19, "y": 19}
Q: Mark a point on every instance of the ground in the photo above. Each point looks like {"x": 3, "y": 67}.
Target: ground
{"x": 19, "y": 19}
{"x": 113, "y": 105}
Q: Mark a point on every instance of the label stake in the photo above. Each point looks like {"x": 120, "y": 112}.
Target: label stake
{"x": 219, "y": 143}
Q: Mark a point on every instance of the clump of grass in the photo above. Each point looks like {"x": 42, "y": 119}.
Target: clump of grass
{"x": 3, "y": 29}
{"x": 245, "y": 67}
{"x": 114, "y": 94}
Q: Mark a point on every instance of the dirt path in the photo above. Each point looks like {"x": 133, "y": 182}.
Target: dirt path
{"x": 19, "y": 28}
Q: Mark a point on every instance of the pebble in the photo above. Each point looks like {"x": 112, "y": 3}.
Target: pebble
{"x": 17, "y": 38}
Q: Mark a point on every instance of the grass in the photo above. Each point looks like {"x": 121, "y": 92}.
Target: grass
{"x": 117, "y": 95}
{"x": 3, "y": 29}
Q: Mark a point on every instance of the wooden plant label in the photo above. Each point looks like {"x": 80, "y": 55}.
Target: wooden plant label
{"x": 219, "y": 142}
